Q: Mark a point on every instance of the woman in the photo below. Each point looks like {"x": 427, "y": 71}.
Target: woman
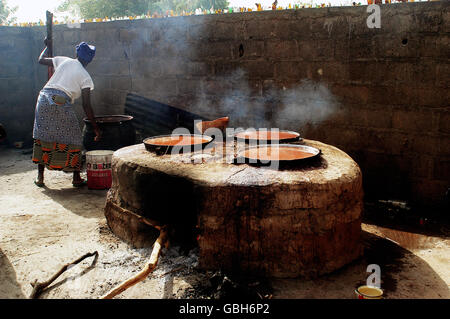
{"x": 56, "y": 133}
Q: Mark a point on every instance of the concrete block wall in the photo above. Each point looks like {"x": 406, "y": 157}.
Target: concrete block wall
{"x": 381, "y": 95}
{"x": 16, "y": 83}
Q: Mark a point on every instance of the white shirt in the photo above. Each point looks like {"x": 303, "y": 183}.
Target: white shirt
{"x": 70, "y": 77}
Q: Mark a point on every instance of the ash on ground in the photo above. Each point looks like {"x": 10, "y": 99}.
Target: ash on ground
{"x": 208, "y": 284}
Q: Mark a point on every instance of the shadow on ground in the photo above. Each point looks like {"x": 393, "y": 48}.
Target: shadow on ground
{"x": 9, "y": 288}
{"x": 79, "y": 273}
{"x": 12, "y": 161}
{"x": 403, "y": 275}
{"x": 82, "y": 201}
{"x": 403, "y": 216}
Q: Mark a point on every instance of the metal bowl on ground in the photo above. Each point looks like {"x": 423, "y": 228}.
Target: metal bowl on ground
{"x": 281, "y": 154}
{"x": 179, "y": 143}
{"x": 267, "y": 136}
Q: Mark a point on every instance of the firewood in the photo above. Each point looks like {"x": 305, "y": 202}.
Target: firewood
{"x": 149, "y": 267}
{"x": 152, "y": 223}
{"x": 38, "y": 287}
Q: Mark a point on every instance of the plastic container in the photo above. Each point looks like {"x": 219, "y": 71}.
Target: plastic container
{"x": 98, "y": 168}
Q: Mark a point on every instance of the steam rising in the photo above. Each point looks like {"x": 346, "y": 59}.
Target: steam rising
{"x": 308, "y": 103}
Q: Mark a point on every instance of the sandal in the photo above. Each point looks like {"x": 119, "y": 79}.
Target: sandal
{"x": 80, "y": 184}
{"x": 38, "y": 183}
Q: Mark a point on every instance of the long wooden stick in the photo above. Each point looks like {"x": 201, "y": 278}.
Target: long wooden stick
{"x": 38, "y": 287}
{"x": 149, "y": 222}
{"x": 149, "y": 267}
{"x": 49, "y": 16}
{"x": 49, "y": 23}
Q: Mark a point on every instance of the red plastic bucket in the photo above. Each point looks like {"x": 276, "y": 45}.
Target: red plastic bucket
{"x": 98, "y": 169}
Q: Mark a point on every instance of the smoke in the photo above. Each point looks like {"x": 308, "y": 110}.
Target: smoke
{"x": 169, "y": 60}
{"x": 308, "y": 103}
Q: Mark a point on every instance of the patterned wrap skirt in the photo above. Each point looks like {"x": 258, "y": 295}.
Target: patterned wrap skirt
{"x": 57, "y": 134}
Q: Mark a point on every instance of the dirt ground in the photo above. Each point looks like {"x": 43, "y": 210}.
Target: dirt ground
{"x": 42, "y": 229}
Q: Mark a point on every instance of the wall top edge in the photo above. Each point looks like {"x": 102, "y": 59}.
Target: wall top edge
{"x": 391, "y": 9}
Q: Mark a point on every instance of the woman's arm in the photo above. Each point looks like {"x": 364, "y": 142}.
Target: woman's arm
{"x": 42, "y": 57}
{"x": 86, "y": 97}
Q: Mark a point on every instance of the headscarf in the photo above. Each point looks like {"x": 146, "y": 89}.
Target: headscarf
{"x": 85, "y": 52}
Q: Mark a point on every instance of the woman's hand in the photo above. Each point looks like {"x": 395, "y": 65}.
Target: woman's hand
{"x": 98, "y": 133}
{"x": 86, "y": 98}
{"x": 48, "y": 42}
{"x": 43, "y": 57}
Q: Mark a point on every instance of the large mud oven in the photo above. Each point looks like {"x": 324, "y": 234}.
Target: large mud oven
{"x": 298, "y": 219}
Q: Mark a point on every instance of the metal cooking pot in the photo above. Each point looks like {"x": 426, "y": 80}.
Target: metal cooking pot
{"x": 185, "y": 143}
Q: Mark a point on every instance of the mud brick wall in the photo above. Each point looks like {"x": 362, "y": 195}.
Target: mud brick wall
{"x": 381, "y": 95}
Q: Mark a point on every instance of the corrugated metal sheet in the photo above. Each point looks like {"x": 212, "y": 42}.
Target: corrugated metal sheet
{"x": 154, "y": 118}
